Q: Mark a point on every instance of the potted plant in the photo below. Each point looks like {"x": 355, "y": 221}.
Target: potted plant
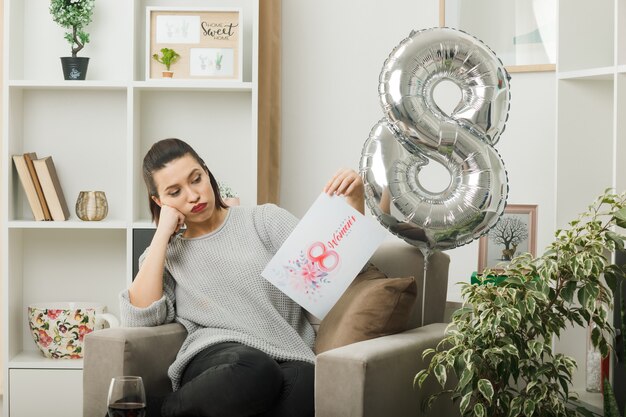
{"x": 167, "y": 58}
{"x": 74, "y": 15}
{"x": 228, "y": 195}
{"x": 499, "y": 344}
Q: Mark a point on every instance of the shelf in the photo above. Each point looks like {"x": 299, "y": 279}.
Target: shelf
{"x": 98, "y": 131}
{"x": 144, "y": 224}
{"x": 35, "y": 360}
{"x": 62, "y": 85}
{"x": 69, "y": 224}
{"x": 603, "y": 74}
{"x": 592, "y": 400}
{"x": 184, "y": 85}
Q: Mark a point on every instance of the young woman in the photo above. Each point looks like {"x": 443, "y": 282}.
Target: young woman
{"x": 248, "y": 347}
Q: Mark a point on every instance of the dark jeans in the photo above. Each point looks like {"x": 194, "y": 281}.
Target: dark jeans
{"x": 233, "y": 380}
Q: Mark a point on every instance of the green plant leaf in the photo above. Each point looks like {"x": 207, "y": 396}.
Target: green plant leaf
{"x": 511, "y": 350}
{"x": 530, "y": 305}
{"x": 486, "y": 389}
{"x": 516, "y": 407}
{"x": 529, "y": 407}
{"x": 619, "y": 242}
{"x": 420, "y": 377}
{"x": 427, "y": 352}
{"x": 583, "y": 297}
{"x": 441, "y": 374}
{"x": 466, "y": 377}
{"x": 567, "y": 292}
{"x": 465, "y": 401}
{"x": 620, "y": 217}
{"x": 479, "y": 410}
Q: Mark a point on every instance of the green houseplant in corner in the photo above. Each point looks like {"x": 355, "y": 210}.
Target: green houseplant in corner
{"x": 74, "y": 15}
{"x": 167, "y": 58}
{"x": 499, "y": 344}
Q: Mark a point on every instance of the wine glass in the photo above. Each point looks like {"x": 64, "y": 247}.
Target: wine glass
{"x": 127, "y": 397}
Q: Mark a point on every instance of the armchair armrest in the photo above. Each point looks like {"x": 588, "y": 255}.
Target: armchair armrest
{"x": 144, "y": 351}
{"x": 375, "y": 377}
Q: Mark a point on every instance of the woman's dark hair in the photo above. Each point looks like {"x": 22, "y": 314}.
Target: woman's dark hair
{"x": 162, "y": 153}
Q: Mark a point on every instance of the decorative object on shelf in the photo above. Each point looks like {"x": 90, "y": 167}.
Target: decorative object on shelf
{"x": 92, "y": 205}
{"x": 209, "y": 41}
{"x": 522, "y": 32}
{"x": 515, "y": 233}
{"x": 513, "y": 370}
{"x": 228, "y": 195}
{"x": 593, "y": 363}
{"x": 58, "y": 329}
{"x": 30, "y": 185}
{"x": 167, "y": 58}
{"x": 74, "y": 15}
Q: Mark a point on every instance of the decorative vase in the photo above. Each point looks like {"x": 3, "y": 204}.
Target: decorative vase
{"x": 74, "y": 68}
{"x": 92, "y": 205}
{"x": 593, "y": 366}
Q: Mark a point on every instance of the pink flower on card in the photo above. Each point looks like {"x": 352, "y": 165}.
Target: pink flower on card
{"x": 309, "y": 272}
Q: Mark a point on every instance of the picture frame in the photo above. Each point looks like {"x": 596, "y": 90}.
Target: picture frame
{"x": 208, "y": 40}
{"x": 515, "y": 233}
{"x": 522, "y": 33}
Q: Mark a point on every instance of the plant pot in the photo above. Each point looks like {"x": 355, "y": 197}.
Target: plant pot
{"x": 74, "y": 68}
{"x": 168, "y": 74}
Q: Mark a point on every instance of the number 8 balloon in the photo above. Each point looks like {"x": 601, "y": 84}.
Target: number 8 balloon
{"x": 416, "y": 132}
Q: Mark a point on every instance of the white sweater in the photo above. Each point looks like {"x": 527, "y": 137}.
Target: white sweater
{"x": 213, "y": 286}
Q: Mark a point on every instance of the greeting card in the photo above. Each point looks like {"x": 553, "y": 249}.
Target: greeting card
{"x": 324, "y": 253}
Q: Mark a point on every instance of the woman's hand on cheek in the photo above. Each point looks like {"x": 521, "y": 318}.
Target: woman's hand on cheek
{"x": 170, "y": 220}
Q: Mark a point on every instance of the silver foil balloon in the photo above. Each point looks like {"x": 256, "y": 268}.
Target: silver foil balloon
{"x": 416, "y": 131}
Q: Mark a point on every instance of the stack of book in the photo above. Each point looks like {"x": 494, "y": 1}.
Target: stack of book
{"x": 41, "y": 184}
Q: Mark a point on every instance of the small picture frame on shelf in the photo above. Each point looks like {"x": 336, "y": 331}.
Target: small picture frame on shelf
{"x": 522, "y": 33}
{"x": 194, "y": 43}
{"x": 515, "y": 233}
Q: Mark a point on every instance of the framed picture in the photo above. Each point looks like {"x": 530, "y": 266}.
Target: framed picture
{"x": 515, "y": 233}
{"x": 521, "y": 32}
{"x": 209, "y": 42}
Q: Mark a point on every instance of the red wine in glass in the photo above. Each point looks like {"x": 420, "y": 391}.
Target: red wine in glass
{"x": 127, "y": 410}
{"x": 127, "y": 397}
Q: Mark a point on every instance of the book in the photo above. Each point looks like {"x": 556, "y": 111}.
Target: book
{"x": 52, "y": 188}
{"x": 29, "y": 187}
{"x": 324, "y": 253}
{"x": 29, "y": 157}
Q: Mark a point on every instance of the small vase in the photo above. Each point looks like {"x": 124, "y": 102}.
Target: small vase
{"x": 74, "y": 68}
{"x": 92, "y": 205}
{"x": 593, "y": 368}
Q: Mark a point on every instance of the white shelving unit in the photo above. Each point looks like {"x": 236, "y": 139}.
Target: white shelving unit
{"x": 98, "y": 131}
{"x": 591, "y": 89}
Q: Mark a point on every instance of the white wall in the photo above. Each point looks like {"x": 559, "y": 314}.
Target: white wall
{"x": 332, "y": 55}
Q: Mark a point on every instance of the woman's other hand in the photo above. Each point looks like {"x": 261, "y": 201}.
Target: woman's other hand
{"x": 348, "y": 183}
